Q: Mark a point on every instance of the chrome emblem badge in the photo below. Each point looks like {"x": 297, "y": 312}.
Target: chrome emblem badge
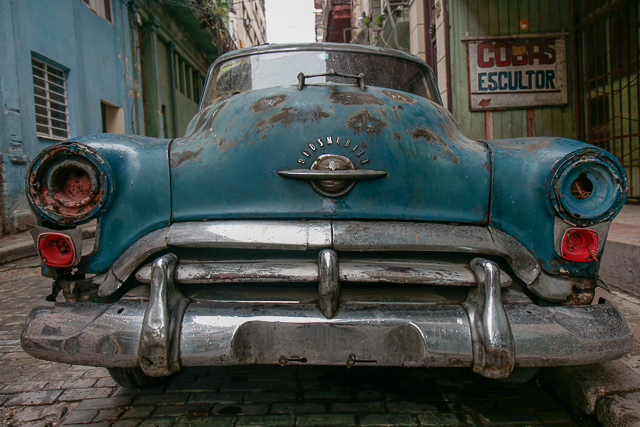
{"x": 332, "y": 187}
{"x": 333, "y": 176}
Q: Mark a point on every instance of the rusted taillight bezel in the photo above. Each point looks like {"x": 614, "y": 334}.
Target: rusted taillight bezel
{"x": 48, "y": 169}
{"x": 606, "y": 195}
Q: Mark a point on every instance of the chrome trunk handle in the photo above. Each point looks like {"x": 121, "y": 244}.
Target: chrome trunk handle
{"x": 331, "y": 72}
{"x": 350, "y": 174}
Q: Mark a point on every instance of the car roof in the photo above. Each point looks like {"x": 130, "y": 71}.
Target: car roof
{"x": 331, "y": 47}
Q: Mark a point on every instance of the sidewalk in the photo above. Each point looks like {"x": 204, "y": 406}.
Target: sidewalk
{"x": 622, "y": 253}
{"x": 609, "y": 391}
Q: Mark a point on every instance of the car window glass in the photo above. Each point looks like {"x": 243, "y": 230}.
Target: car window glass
{"x": 282, "y": 68}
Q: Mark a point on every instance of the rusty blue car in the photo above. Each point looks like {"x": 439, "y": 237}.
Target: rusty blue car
{"x": 324, "y": 208}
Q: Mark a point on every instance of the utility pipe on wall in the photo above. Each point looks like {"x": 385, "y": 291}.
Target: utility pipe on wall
{"x": 172, "y": 70}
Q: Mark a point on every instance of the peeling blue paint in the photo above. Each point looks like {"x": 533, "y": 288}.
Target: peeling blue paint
{"x": 226, "y": 167}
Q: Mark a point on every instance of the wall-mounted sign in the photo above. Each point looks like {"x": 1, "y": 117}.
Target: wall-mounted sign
{"x": 516, "y": 72}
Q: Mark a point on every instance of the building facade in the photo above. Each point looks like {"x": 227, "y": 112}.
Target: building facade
{"x": 78, "y": 67}
{"x": 518, "y": 68}
{"x": 247, "y": 23}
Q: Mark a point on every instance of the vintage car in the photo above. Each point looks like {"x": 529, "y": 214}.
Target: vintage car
{"x": 324, "y": 208}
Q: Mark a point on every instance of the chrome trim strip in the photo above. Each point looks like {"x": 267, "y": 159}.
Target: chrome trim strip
{"x": 290, "y": 235}
{"x": 338, "y": 235}
{"x": 127, "y": 263}
{"x": 393, "y": 334}
{"x": 437, "y": 273}
{"x": 350, "y": 174}
{"x": 267, "y": 271}
{"x": 287, "y": 235}
{"x": 411, "y": 273}
{"x": 408, "y": 236}
{"x": 493, "y": 348}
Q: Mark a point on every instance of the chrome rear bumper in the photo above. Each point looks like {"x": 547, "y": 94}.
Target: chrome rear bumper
{"x": 164, "y": 333}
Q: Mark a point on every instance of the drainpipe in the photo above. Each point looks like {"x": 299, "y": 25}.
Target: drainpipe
{"x": 172, "y": 70}
{"x": 447, "y": 43}
{"x": 155, "y": 25}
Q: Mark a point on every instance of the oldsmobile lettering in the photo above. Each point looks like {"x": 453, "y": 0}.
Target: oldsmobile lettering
{"x": 312, "y": 147}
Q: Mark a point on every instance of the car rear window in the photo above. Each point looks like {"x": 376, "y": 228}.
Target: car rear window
{"x": 274, "y": 69}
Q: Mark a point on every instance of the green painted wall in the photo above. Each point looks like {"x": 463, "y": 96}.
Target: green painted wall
{"x": 502, "y": 17}
{"x": 164, "y": 27}
{"x": 164, "y": 67}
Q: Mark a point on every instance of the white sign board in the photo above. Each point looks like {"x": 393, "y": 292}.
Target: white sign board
{"x": 516, "y": 73}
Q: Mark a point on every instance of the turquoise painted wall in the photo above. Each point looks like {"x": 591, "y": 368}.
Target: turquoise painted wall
{"x": 104, "y": 62}
{"x": 95, "y": 56}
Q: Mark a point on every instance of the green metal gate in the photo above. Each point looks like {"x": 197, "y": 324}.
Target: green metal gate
{"x": 607, "y": 36}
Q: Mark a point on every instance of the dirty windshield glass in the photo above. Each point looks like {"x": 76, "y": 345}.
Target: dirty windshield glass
{"x": 282, "y": 68}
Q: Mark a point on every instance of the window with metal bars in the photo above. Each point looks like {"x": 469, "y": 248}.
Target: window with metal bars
{"x": 607, "y": 49}
{"x": 102, "y": 8}
{"x": 50, "y": 92}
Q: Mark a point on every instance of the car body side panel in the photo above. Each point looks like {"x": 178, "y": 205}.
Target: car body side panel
{"x": 142, "y": 196}
{"x": 227, "y": 165}
{"x": 520, "y": 204}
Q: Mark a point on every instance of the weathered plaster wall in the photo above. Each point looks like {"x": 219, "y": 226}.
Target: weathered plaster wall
{"x": 69, "y": 36}
{"x": 163, "y": 41}
{"x": 103, "y": 62}
{"x": 502, "y": 17}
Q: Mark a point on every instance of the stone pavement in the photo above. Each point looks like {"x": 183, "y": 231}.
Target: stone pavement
{"x": 610, "y": 391}
{"x": 38, "y": 393}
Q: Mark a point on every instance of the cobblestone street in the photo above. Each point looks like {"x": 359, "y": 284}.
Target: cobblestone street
{"x": 38, "y": 393}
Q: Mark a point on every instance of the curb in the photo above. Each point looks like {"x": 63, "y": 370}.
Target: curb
{"x": 27, "y": 249}
{"x": 620, "y": 266}
{"x": 610, "y": 391}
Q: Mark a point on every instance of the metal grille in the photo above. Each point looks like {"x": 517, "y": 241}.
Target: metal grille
{"x": 52, "y": 113}
{"x": 608, "y": 91}
{"x": 103, "y": 8}
{"x": 107, "y": 11}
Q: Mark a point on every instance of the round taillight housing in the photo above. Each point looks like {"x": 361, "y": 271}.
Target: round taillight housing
{"x": 580, "y": 244}
{"x": 587, "y": 187}
{"x": 57, "y": 250}
{"x": 69, "y": 184}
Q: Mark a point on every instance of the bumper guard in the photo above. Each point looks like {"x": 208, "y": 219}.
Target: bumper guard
{"x": 169, "y": 331}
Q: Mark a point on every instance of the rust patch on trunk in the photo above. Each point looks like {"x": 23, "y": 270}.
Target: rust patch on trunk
{"x": 364, "y": 122}
{"x": 267, "y": 103}
{"x": 354, "y": 98}
{"x": 397, "y": 135}
{"x": 428, "y": 135}
{"x": 432, "y": 137}
{"x": 177, "y": 158}
{"x": 290, "y": 115}
{"x": 398, "y": 97}
{"x": 206, "y": 120}
{"x": 395, "y": 113}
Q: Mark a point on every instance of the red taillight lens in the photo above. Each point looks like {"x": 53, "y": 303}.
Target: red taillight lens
{"x": 580, "y": 244}
{"x": 57, "y": 250}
